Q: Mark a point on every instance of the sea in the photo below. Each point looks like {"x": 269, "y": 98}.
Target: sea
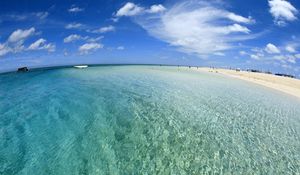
{"x": 138, "y": 119}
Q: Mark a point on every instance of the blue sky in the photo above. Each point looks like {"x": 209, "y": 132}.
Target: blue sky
{"x": 258, "y": 34}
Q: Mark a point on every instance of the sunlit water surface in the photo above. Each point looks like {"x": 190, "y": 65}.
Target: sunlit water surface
{"x": 144, "y": 120}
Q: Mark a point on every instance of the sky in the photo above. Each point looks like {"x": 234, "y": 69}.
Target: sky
{"x": 246, "y": 34}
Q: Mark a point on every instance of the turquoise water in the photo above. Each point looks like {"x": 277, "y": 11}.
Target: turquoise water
{"x": 144, "y": 120}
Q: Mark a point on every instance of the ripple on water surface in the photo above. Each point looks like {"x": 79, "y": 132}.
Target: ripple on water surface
{"x": 144, "y": 120}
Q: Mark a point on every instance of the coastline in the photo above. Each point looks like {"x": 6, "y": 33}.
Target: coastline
{"x": 287, "y": 85}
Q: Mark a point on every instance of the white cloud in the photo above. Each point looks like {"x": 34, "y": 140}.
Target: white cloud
{"x": 219, "y": 54}
{"x": 16, "y": 40}
{"x": 120, "y": 48}
{"x": 243, "y": 53}
{"x": 74, "y": 9}
{"x": 256, "y": 57}
{"x": 198, "y": 27}
{"x": 37, "y": 44}
{"x": 72, "y": 38}
{"x": 285, "y": 66}
{"x": 20, "y": 35}
{"x": 41, "y": 44}
{"x": 156, "y": 8}
{"x": 66, "y": 53}
{"x": 257, "y": 50}
{"x": 41, "y": 15}
{"x": 129, "y": 9}
{"x": 290, "y": 49}
{"x": 291, "y": 59}
{"x": 75, "y": 37}
{"x": 234, "y": 28}
{"x": 105, "y": 29}
{"x": 89, "y": 47}
{"x": 115, "y": 19}
{"x": 286, "y": 58}
{"x": 73, "y": 26}
{"x": 272, "y": 49}
{"x": 240, "y": 19}
{"x": 15, "y": 43}
{"x": 92, "y": 40}
{"x": 4, "y": 49}
{"x": 33, "y": 16}
{"x": 282, "y": 11}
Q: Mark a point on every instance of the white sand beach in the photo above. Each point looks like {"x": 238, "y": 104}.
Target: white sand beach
{"x": 284, "y": 84}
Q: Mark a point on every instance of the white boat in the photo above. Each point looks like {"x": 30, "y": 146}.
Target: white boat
{"x": 81, "y": 66}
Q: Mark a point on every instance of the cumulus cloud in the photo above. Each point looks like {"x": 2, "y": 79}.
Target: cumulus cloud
{"x": 272, "y": 49}
{"x": 286, "y": 58}
{"x": 297, "y": 56}
{"x": 20, "y": 35}
{"x": 282, "y": 11}
{"x": 105, "y": 29}
{"x": 243, "y": 53}
{"x": 131, "y": 9}
{"x": 41, "y": 44}
{"x": 75, "y": 37}
{"x": 120, "y": 48}
{"x": 72, "y": 38}
{"x": 75, "y": 9}
{"x": 92, "y": 40}
{"x": 255, "y": 53}
{"x": 198, "y": 27}
{"x": 89, "y": 47}
{"x": 15, "y": 42}
{"x": 255, "y": 56}
{"x": 74, "y": 26}
{"x": 290, "y": 48}
{"x": 156, "y": 8}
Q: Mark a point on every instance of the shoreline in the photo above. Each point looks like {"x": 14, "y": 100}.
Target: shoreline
{"x": 286, "y": 85}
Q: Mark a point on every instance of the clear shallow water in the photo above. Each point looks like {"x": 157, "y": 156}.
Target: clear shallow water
{"x": 144, "y": 120}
